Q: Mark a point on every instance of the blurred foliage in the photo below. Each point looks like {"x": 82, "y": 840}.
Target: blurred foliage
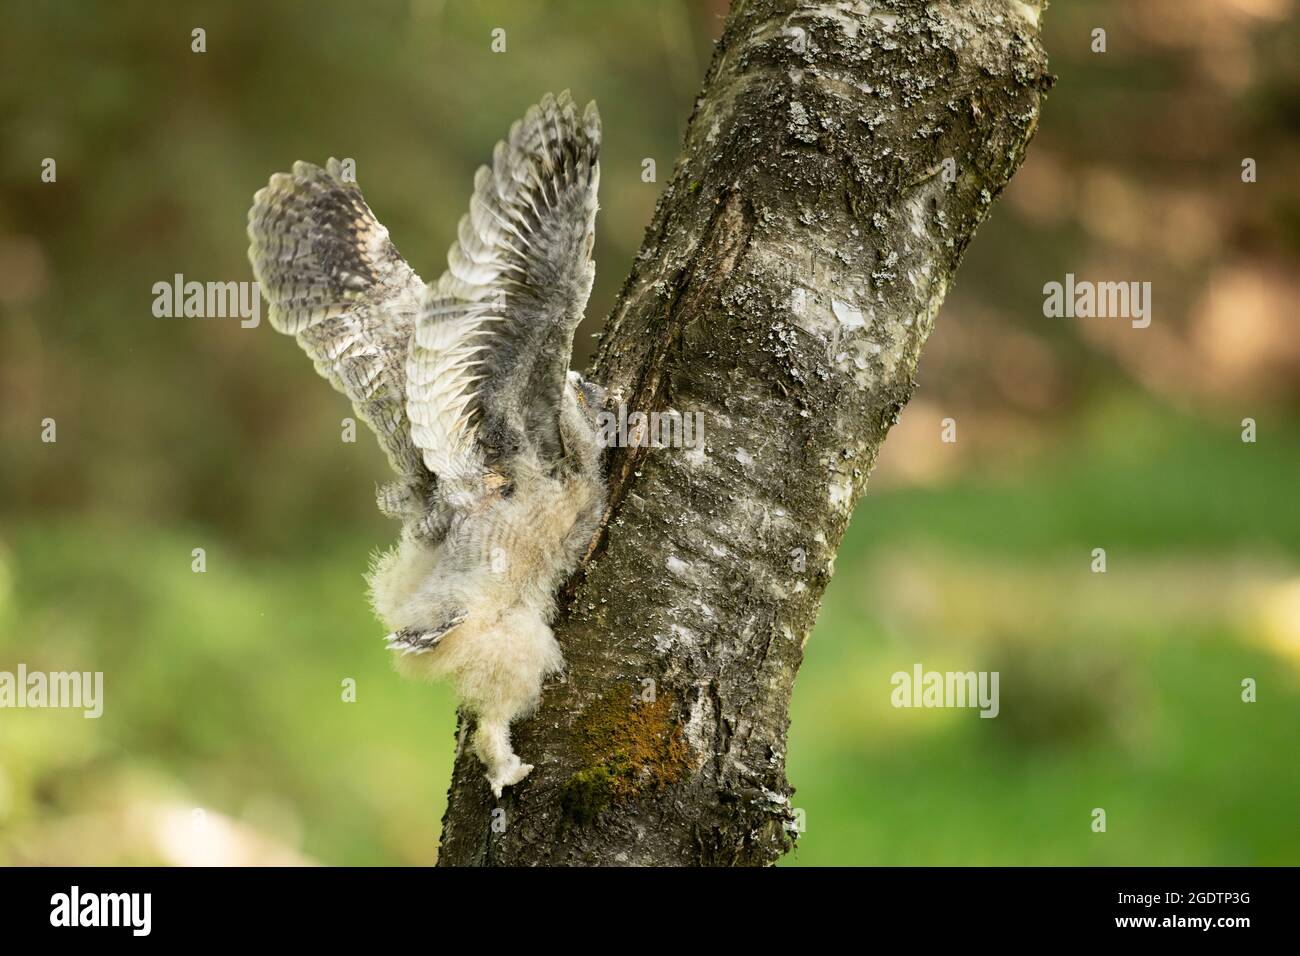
{"x": 224, "y": 690}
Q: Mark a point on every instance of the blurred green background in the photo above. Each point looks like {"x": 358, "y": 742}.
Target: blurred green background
{"x": 225, "y": 737}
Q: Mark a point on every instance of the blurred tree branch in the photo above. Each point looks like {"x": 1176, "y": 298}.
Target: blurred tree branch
{"x": 839, "y": 160}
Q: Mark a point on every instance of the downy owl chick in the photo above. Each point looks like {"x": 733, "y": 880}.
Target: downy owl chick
{"x": 466, "y": 383}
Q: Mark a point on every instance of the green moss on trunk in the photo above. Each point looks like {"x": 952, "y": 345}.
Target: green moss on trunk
{"x": 628, "y": 745}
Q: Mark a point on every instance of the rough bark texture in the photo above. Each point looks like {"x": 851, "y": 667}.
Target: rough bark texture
{"x": 793, "y": 270}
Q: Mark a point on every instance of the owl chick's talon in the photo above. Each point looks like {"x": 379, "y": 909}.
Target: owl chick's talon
{"x": 509, "y": 775}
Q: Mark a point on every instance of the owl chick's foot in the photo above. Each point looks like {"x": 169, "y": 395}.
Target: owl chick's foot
{"x": 508, "y": 774}
{"x": 492, "y": 745}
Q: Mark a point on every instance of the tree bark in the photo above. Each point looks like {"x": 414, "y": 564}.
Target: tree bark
{"x": 838, "y": 161}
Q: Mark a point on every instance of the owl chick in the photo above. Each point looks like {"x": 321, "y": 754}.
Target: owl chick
{"x": 466, "y": 383}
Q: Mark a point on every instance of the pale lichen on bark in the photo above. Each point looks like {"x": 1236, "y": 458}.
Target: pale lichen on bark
{"x": 794, "y": 268}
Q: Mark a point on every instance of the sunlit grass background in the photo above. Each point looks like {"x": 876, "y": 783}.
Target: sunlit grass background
{"x": 225, "y": 737}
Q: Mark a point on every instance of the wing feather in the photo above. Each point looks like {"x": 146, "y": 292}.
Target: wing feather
{"x": 334, "y": 281}
{"x": 489, "y": 360}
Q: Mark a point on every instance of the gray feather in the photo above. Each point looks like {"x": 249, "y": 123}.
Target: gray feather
{"x": 332, "y": 279}
{"x": 489, "y": 362}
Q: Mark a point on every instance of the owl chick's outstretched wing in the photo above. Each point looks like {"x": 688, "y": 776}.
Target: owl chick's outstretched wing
{"x": 332, "y": 279}
{"x": 488, "y": 364}
{"x": 460, "y": 378}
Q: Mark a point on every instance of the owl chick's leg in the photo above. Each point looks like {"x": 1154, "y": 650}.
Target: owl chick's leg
{"x": 500, "y": 681}
{"x": 492, "y": 745}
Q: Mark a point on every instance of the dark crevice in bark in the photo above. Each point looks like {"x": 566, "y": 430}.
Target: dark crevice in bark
{"x": 708, "y": 266}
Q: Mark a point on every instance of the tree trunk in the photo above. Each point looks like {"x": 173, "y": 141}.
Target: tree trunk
{"x": 839, "y": 159}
